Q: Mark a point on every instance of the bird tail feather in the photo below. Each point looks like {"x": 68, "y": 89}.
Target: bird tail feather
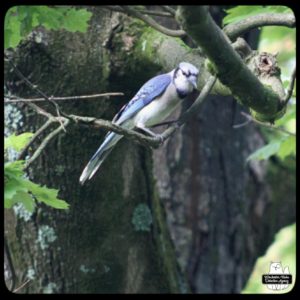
{"x": 99, "y": 157}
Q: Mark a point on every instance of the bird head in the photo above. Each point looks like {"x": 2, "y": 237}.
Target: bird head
{"x": 186, "y": 76}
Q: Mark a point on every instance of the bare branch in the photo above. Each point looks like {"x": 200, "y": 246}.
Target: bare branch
{"x": 270, "y": 126}
{"x": 266, "y": 19}
{"x": 290, "y": 88}
{"x": 148, "y": 20}
{"x": 41, "y": 111}
{"x": 171, "y": 10}
{"x": 142, "y": 11}
{"x": 34, "y": 137}
{"x": 13, "y": 100}
{"x": 21, "y": 286}
{"x": 45, "y": 142}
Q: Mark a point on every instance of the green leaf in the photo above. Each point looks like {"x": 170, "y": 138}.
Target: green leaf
{"x": 266, "y": 151}
{"x": 16, "y": 187}
{"x": 76, "y": 20}
{"x": 14, "y": 168}
{"x": 47, "y": 196}
{"x": 241, "y": 12}
{"x": 281, "y": 147}
{"x": 17, "y": 142}
{"x": 21, "y": 20}
{"x": 287, "y": 147}
{"x": 12, "y": 35}
{"x": 25, "y": 199}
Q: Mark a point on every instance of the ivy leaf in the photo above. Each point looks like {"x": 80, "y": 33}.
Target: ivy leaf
{"x": 17, "y": 142}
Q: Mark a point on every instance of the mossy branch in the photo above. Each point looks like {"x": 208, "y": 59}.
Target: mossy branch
{"x": 229, "y": 67}
{"x": 237, "y": 29}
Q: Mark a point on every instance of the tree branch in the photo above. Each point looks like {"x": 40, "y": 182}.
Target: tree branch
{"x": 290, "y": 88}
{"x": 267, "y": 19}
{"x": 21, "y": 286}
{"x": 169, "y": 9}
{"x": 148, "y": 20}
{"x": 13, "y": 100}
{"x": 228, "y": 66}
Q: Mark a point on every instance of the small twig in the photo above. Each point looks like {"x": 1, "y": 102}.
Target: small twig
{"x": 142, "y": 11}
{"x": 12, "y": 100}
{"x": 290, "y": 88}
{"x": 270, "y": 126}
{"x": 242, "y": 124}
{"x": 21, "y": 286}
{"x": 44, "y": 143}
{"x": 266, "y": 19}
{"x": 35, "y": 88}
{"x": 34, "y": 137}
{"x": 41, "y": 111}
{"x": 148, "y": 20}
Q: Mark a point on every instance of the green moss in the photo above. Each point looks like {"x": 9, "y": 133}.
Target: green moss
{"x": 210, "y": 66}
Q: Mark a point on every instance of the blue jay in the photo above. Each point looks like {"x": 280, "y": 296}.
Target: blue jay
{"x": 154, "y": 102}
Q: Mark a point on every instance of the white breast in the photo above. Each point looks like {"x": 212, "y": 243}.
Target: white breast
{"x": 159, "y": 109}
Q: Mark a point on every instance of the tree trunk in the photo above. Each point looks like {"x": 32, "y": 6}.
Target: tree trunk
{"x": 222, "y": 213}
{"x": 114, "y": 238}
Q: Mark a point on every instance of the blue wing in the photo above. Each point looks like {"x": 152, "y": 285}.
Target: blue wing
{"x": 148, "y": 92}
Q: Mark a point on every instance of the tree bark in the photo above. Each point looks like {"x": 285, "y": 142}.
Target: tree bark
{"x": 222, "y": 213}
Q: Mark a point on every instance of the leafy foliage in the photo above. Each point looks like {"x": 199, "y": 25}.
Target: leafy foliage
{"x": 21, "y": 20}
{"x": 18, "y": 189}
{"x": 241, "y": 12}
{"x": 281, "y": 147}
{"x": 17, "y": 142}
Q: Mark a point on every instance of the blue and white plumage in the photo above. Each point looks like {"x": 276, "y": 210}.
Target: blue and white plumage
{"x": 153, "y": 103}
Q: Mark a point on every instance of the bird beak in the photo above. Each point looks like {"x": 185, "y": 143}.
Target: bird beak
{"x": 193, "y": 81}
